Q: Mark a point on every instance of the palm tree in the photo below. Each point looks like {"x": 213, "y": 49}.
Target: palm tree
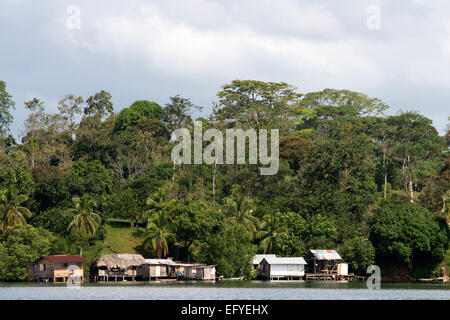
{"x": 159, "y": 230}
{"x": 271, "y": 229}
{"x": 158, "y": 200}
{"x": 239, "y": 208}
{"x": 85, "y": 219}
{"x": 11, "y": 210}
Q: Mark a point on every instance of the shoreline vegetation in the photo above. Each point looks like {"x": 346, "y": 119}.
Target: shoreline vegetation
{"x": 87, "y": 181}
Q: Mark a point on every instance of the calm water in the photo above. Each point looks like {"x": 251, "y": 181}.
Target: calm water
{"x": 232, "y": 290}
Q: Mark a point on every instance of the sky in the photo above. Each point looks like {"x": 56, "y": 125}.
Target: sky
{"x": 398, "y": 51}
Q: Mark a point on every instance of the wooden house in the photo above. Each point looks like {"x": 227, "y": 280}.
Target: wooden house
{"x": 274, "y": 268}
{"x": 199, "y": 272}
{"x": 57, "y": 268}
{"x": 158, "y": 268}
{"x": 326, "y": 262}
{"x": 117, "y": 267}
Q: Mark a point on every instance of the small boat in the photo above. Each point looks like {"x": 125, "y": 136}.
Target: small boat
{"x": 233, "y": 279}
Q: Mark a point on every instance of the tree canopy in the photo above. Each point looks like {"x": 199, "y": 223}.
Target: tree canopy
{"x": 351, "y": 177}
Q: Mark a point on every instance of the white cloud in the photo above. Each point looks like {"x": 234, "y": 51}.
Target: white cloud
{"x": 158, "y": 42}
{"x": 142, "y": 49}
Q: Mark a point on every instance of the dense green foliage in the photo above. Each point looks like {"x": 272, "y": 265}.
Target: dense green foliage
{"x": 375, "y": 187}
{"x": 407, "y": 232}
{"x": 139, "y": 110}
{"x": 231, "y": 249}
{"x": 20, "y": 246}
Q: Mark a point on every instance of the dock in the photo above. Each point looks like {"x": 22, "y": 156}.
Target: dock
{"x": 331, "y": 277}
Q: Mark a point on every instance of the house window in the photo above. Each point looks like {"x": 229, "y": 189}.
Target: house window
{"x": 65, "y": 265}
{"x": 41, "y": 267}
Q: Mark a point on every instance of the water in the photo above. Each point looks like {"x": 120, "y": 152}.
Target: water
{"x": 229, "y": 290}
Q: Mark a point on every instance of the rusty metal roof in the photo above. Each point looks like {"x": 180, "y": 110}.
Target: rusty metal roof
{"x": 326, "y": 254}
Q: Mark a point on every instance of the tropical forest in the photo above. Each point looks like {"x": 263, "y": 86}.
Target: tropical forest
{"x": 95, "y": 178}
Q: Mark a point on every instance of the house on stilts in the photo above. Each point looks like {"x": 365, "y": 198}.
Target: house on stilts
{"x": 326, "y": 265}
{"x": 58, "y": 269}
{"x": 275, "y": 268}
{"x": 117, "y": 267}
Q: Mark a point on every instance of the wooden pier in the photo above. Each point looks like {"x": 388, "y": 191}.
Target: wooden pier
{"x": 331, "y": 277}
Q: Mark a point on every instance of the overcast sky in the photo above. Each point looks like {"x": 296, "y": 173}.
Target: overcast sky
{"x": 138, "y": 49}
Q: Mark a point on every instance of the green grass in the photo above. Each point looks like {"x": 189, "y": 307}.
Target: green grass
{"x": 120, "y": 237}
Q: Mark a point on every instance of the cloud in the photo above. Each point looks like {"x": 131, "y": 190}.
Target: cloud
{"x": 162, "y": 43}
{"x": 151, "y": 50}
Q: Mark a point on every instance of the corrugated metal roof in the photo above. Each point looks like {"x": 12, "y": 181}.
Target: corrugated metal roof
{"x": 201, "y": 266}
{"x": 159, "y": 261}
{"x": 326, "y": 254}
{"x": 287, "y": 260}
{"x": 188, "y": 264}
{"x": 258, "y": 257}
{"x": 65, "y": 258}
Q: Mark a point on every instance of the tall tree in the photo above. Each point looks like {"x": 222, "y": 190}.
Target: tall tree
{"x": 271, "y": 230}
{"x": 258, "y": 104}
{"x": 70, "y": 107}
{"x": 238, "y": 208}
{"x": 158, "y": 198}
{"x": 332, "y": 103}
{"x": 331, "y": 108}
{"x": 158, "y": 202}
{"x": 445, "y": 211}
{"x": 85, "y": 219}
{"x": 418, "y": 147}
{"x": 139, "y": 110}
{"x": 385, "y": 141}
{"x": 35, "y": 125}
{"x": 159, "y": 232}
{"x": 178, "y": 112}
{"x": 6, "y": 105}
{"x": 447, "y": 134}
{"x": 12, "y": 211}
{"x": 99, "y": 104}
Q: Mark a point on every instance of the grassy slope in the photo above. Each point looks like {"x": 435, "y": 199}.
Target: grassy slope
{"x": 120, "y": 237}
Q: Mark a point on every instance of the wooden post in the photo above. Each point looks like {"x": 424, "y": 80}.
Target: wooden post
{"x": 314, "y": 264}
